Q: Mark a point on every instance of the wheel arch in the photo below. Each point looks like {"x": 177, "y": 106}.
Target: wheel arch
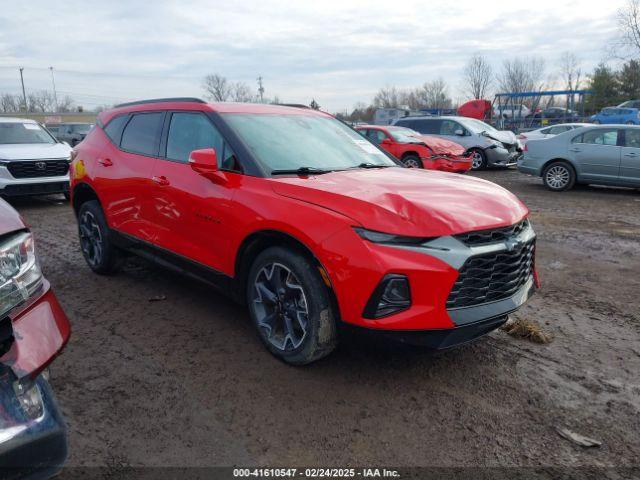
{"x": 259, "y": 241}
{"x": 83, "y": 193}
{"x": 410, "y": 152}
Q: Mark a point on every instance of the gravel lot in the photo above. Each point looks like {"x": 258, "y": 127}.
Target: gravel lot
{"x": 185, "y": 381}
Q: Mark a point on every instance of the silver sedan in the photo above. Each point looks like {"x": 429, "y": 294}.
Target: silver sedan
{"x": 597, "y": 154}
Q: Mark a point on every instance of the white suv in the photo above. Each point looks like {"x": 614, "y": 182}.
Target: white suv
{"x": 32, "y": 162}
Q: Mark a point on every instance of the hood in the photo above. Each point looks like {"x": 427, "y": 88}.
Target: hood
{"x": 412, "y": 202}
{"x": 10, "y": 219}
{"x": 34, "y": 151}
{"x": 503, "y": 136}
{"x": 441, "y": 146}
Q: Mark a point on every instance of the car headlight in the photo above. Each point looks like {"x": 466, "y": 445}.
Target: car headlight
{"x": 20, "y": 274}
{"x": 379, "y": 237}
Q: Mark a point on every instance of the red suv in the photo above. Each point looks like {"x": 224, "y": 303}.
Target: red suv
{"x": 415, "y": 150}
{"x": 298, "y": 216}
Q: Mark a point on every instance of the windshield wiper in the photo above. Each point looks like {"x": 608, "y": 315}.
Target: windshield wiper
{"x": 301, "y": 171}
{"x": 372, "y": 165}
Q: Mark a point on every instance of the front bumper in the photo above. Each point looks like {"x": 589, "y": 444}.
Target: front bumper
{"x": 32, "y": 445}
{"x": 11, "y": 186}
{"x": 501, "y": 157}
{"x": 448, "y": 164}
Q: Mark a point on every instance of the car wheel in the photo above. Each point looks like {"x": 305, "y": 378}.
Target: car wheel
{"x": 99, "y": 252}
{"x": 559, "y": 176}
{"x": 291, "y": 307}
{"x": 479, "y": 159}
{"x": 412, "y": 161}
{"x": 596, "y": 122}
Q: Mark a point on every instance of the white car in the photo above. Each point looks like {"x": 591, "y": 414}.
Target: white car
{"x": 32, "y": 161}
{"x": 548, "y": 132}
{"x": 511, "y": 111}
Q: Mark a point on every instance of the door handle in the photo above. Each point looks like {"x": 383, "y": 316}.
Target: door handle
{"x": 161, "y": 180}
{"x": 631, "y": 154}
{"x": 105, "y": 162}
{"x": 576, "y": 150}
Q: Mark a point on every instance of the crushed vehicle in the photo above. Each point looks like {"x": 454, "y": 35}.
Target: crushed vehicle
{"x": 418, "y": 151}
{"x": 33, "y": 331}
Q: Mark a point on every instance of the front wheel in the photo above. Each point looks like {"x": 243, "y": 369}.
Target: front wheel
{"x": 99, "y": 252}
{"x": 412, "y": 161}
{"x": 559, "y": 176}
{"x": 478, "y": 159}
{"x": 291, "y": 307}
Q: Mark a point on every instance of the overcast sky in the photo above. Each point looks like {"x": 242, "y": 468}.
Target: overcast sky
{"x": 338, "y": 52}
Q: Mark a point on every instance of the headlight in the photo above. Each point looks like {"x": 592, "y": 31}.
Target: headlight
{"x": 20, "y": 274}
{"x": 379, "y": 237}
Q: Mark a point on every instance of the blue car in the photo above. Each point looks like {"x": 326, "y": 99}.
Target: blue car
{"x": 617, "y": 115}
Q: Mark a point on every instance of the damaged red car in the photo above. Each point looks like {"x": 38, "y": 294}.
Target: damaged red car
{"x": 415, "y": 150}
{"x": 33, "y": 331}
{"x": 297, "y": 216}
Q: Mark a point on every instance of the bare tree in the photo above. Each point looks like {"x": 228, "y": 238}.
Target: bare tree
{"x": 628, "y": 42}
{"x": 241, "y": 92}
{"x": 434, "y": 94}
{"x": 570, "y": 71}
{"x": 217, "y": 88}
{"x": 521, "y": 75}
{"x": 41, "y": 101}
{"x": 65, "y": 104}
{"x": 387, "y": 97}
{"x": 10, "y": 103}
{"x": 478, "y": 77}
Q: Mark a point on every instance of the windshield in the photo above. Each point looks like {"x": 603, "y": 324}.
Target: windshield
{"x": 476, "y": 126}
{"x": 18, "y": 132}
{"x": 403, "y": 134}
{"x": 290, "y": 142}
{"x": 82, "y": 128}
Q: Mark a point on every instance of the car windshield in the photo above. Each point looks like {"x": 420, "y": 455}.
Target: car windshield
{"x": 22, "y": 133}
{"x": 476, "y": 126}
{"x": 82, "y": 128}
{"x": 291, "y": 142}
{"x": 403, "y": 134}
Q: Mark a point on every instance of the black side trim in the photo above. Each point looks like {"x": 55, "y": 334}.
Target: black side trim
{"x": 161, "y": 100}
{"x": 222, "y": 282}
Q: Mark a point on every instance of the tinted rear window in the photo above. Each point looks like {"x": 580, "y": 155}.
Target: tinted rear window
{"x": 142, "y": 133}
{"x": 114, "y": 128}
{"x": 422, "y": 126}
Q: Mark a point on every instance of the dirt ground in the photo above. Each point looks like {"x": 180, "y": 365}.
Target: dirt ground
{"x": 185, "y": 381}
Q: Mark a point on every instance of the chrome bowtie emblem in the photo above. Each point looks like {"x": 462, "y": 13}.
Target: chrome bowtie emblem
{"x": 41, "y": 165}
{"x": 513, "y": 244}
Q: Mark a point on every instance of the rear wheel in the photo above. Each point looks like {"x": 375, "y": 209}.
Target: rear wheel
{"x": 559, "y": 176}
{"x": 290, "y": 306}
{"x": 479, "y": 159}
{"x": 412, "y": 161}
{"x": 99, "y": 252}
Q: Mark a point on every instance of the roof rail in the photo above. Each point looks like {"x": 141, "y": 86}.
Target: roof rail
{"x": 295, "y": 105}
{"x": 161, "y": 100}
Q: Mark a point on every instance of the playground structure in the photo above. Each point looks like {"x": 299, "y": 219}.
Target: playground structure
{"x": 513, "y": 102}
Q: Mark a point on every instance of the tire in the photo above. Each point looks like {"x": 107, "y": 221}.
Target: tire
{"x": 412, "y": 161}
{"x": 479, "y": 159}
{"x": 559, "y": 176}
{"x": 290, "y": 306}
{"x": 596, "y": 122}
{"x": 102, "y": 256}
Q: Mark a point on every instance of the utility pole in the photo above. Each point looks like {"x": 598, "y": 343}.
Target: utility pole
{"x": 55, "y": 94}
{"x": 24, "y": 95}
{"x": 260, "y": 89}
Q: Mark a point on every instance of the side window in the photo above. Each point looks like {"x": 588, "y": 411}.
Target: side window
{"x": 189, "y": 132}
{"x": 114, "y": 128}
{"x": 142, "y": 133}
{"x": 545, "y": 131}
{"x": 632, "y": 138}
{"x": 449, "y": 127}
{"x": 558, "y": 129}
{"x": 364, "y": 132}
{"x": 376, "y": 136}
{"x": 601, "y": 137}
{"x": 424, "y": 126}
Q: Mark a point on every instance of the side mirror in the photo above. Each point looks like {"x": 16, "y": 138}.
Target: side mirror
{"x": 386, "y": 141}
{"x": 204, "y": 161}
{"x": 459, "y": 132}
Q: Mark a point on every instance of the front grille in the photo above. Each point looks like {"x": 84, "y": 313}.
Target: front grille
{"x": 482, "y": 237}
{"x": 38, "y": 168}
{"x": 493, "y": 276}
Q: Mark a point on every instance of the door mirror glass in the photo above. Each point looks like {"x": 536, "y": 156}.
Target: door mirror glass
{"x": 204, "y": 161}
{"x": 386, "y": 141}
{"x": 459, "y": 132}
